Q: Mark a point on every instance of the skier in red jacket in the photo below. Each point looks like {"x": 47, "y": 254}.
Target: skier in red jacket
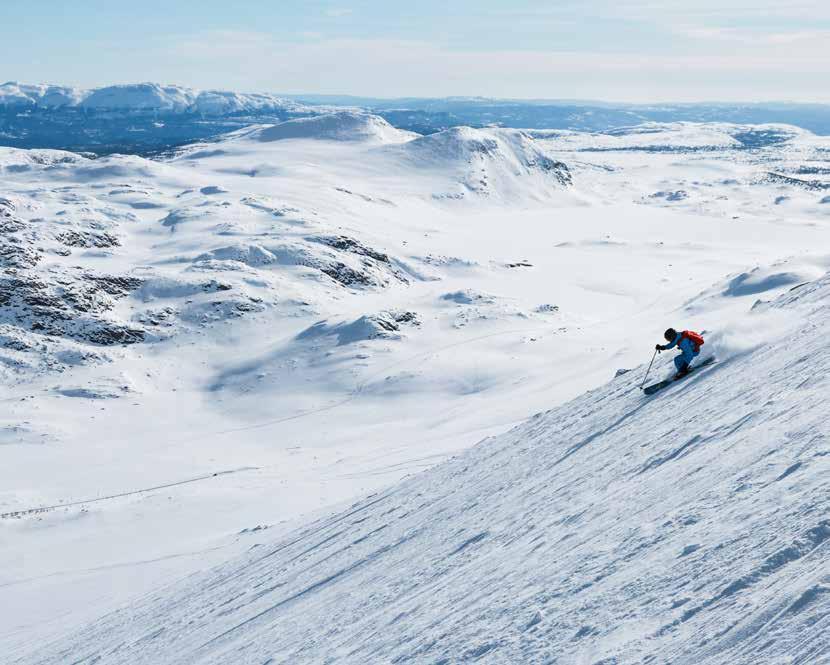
{"x": 688, "y": 342}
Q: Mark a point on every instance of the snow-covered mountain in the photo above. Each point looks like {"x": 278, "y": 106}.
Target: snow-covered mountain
{"x": 133, "y": 119}
{"x": 148, "y": 118}
{"x": 141, "y": 97}
{"x": 338, "y": 126}
{"x": 686, "y": 528}
{"x": 205, "y": 351}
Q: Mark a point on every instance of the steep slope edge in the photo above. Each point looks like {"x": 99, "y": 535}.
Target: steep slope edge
{"x": 686, "y": 528}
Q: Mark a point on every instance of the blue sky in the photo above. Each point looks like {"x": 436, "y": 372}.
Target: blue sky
{"x": 629, "y": 50}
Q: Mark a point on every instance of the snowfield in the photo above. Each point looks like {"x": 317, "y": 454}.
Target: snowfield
{"x": 209, "y": 357}
{"x": 686, "y": 528}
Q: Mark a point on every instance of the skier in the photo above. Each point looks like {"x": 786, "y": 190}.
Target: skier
{"x": 689, "y": 343}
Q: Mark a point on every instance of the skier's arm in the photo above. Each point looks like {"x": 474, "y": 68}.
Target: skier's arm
{"x": 670, "y": 345}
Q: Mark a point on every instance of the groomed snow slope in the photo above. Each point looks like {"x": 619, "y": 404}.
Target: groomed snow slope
{"x": 688, "y": 528}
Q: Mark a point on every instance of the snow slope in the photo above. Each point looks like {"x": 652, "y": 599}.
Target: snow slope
{"x": 203, "y": 351}
{"x": 690, "y": 527}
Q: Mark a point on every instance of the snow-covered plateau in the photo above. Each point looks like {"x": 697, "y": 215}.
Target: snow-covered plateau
{"x": 270, "y": 398}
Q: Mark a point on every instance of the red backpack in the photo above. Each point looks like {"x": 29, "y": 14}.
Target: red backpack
{"x": 693, "y": 337}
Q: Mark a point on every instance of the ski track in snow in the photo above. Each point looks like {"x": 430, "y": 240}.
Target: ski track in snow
{"x": 334, "y": 305}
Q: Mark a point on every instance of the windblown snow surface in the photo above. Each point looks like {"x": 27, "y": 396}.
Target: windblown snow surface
{"x": 211, "y": 359}
{"x": 687, "y": 528}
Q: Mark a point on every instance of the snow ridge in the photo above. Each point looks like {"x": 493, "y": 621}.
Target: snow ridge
{"x": 142, "y": 97}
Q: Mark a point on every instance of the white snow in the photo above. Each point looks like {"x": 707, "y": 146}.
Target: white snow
{"x": 342, "y": 126}
{"x": 50, "y": 96}
{"x": 258, "y": 333}
{"x": 686, "y": 528}
{"x": 142, "y": 97}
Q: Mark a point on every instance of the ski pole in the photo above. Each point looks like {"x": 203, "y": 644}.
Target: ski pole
{"x": 649, "y": 369}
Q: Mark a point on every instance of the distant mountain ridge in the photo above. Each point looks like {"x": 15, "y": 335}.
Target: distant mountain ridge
{"x": 146, "y": 118}
{"x": 142, "y": 97}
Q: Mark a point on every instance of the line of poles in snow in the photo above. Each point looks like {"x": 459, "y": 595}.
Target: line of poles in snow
{"x": 45, "y": 509}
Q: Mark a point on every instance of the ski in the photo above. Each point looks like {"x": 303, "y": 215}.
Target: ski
{"x": 650, "y": 390}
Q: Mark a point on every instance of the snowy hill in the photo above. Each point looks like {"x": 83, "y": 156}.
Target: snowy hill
{"x": 203, "y": 351}
{"x": 681, "y": 137}
{"x": 686, "y": 528}
{"x": 340, "y": 126}
{"x": 503, "y": 162}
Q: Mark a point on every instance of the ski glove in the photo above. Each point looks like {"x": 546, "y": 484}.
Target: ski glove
{"x": 660, "y": 347}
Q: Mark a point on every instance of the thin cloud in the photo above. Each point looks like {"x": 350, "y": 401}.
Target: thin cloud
{"x": 756, "y": 37}
{"x": 338, "y": 12}
{"x": 398, "y": 68}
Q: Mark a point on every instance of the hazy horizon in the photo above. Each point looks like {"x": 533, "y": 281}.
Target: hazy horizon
{"x": 634, "y": 52}
{"x": 472, "y": 97}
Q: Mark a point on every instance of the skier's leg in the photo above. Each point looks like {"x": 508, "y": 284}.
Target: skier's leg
{"x": 689, "y": 356}
{"x": 683, "y": 360}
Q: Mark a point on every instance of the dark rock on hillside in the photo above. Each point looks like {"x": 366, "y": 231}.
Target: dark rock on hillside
{"x": 810, "y": 185}
{"x": 88, "y": 239}
{"x": 347, "y": 244}
{"x": 345, "y": 275}
{"x": 115, "y": 285}
{"x": 15, "y": 255}
{"x": 70, "y": 306}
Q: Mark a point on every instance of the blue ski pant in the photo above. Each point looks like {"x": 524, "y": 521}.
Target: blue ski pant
{"x": 684, "y": 359}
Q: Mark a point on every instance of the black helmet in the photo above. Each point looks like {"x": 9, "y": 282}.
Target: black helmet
{"x": 670, "y": 334}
